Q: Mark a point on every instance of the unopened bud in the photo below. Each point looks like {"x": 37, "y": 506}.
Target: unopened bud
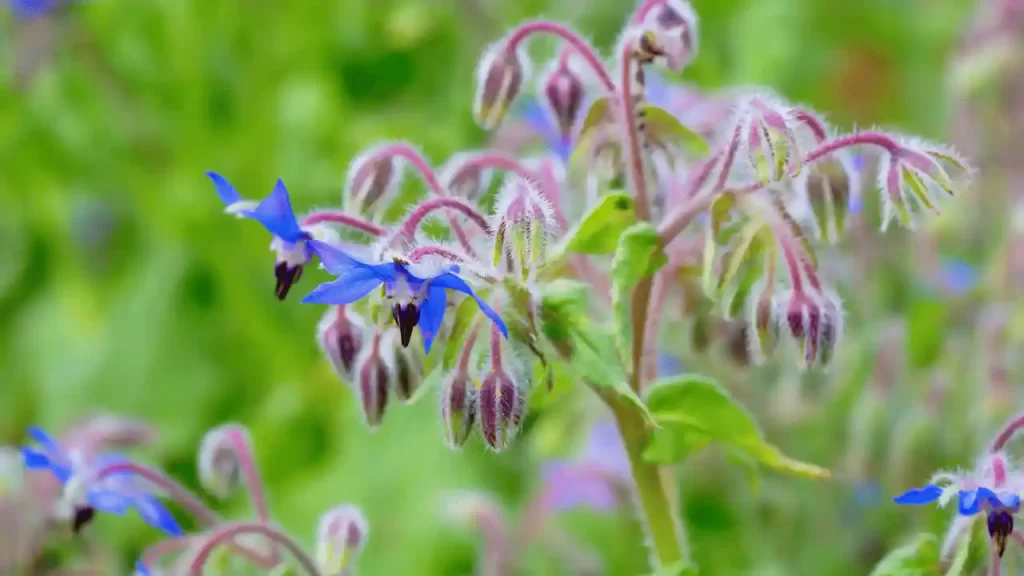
{"x": 523, "y": 221}
{"x": 563, "y": 89}
{"x": 828, "y": 186}
{"x": 373, "y": 375}
{"x": 371, "y": 177}
{"x": 220, "y": 471}
{"x": 499, "y": 79}
{"x": 675, "y": 25}
{"x": 502, "y": 407}
{"x": 465, "y": 178}
{"x": 921, "y": 175}
{"x": 409, "y": 370}
{"x": 771, "y": 141}
{"x": 340, "y": 336}
{"x": 763, "y": 322}
{"x": 458, "y": 408}
{"x": 815, "y": 323}
{"x": 341, "y": 537}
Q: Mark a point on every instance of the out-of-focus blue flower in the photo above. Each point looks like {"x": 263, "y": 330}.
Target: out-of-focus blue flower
{"x": 141, "y": 570}
{"x": 30, "y": 9}
{"x": 416, "y": 299}
{"x": 115, "y": 494}
{"x": 592, "y": 478}
{"x": 669, "y": 365}
{"x": 957, "y": 276}
{"x": 291, "y": 242}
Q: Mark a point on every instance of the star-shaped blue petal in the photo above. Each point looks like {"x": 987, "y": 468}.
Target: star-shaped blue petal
{"x": 918, "y": 496}
{"x": 274, "y": 212}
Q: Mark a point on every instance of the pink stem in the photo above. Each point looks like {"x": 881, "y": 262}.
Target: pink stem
{"x": 253, "y": 481}
{"x": 792, "y": 263}
{"x": 729, "y": 156}
{"x": 421, "y": 252}
{"x": 581, "y": 46}
{"x": 412, "y": 222}
{"x": 232, "y": 531}
{"x": 152, "y": 556}
{"x": 631, "y": 133}
{"x": 809, "y": 119}
{"x": 466, "y": 355}
{"x": 495, "y": 348}
{"x": 498, "y": 161}
{"x": 429, "y": 176}
{"x": 859, "y": 139}
{"x": 336, "y": 217}
{"x": 641, "y": 12}
{"x": 1008, "y": 432}
{"x": 659, "y": 294}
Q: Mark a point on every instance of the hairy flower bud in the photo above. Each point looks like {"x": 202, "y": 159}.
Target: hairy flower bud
{"x": 458, "y": 408}
{"x": 464, "y": 178}
{"x": 563, "y": 90}
{"x": 373, "y": 377}
{"x": 523, "y": 221}
{"x": 674, "y": 24}
{"x": 220, "y": 471}
{"x": 763, "y": 322}
{"x": 340, "y": 335}
{"x": 499, "y": 78}
{"x": 768, "y": 132}
{"x": 409, "y": 370}
{"x": 502, "y": 407}
{"x": 815, "y": 322}
{"x": 919, "y": 175}
{"x": 341, "y": 537}
{"x": 371, "y": 177}
{"x": 828, "y": 187}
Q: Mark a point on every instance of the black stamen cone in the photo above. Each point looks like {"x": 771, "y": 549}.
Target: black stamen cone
{"x": 83, "y": 516}
{"x": 1000, "y": 526}
{"x": 406, "y": 317}
{"x": 287, "y": 276}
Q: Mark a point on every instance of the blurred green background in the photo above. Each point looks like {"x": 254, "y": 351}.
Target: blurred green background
{"x": 124, "y": 287}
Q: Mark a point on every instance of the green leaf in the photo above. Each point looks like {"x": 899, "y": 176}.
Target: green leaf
{"x": 595, "y": 362}
{"x": 681, "y": 568}
{"x": 598, "y": 232}
{"x": 666, "y": 128}
{"x": 638, "y": 256}
{"x": 464, "y": 316}
{"x": 926, "y": 324}
{"x": 694, "y": 411}
{"x": 918, "y": 558}
{"x": 597, "y": 112}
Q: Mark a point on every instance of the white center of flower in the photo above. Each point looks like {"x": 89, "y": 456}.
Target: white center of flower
{"x": 292, "y": 254}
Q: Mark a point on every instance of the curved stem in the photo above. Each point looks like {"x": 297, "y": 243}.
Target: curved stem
{"x": 581, "y": 46}
{"x": 498, "y": 161}
{"x": 421, "y": 252}
{"x": 338, "y": 217}
{"x": 232, "y": 531}
{"x": 253, "y": 482}
{"x": 1008, "y": 431}
{"x": 641, "y": 11}
{"x": 631, "y": 131}
{"x": 811, "y": 120}
{"x": 412, "y": 222}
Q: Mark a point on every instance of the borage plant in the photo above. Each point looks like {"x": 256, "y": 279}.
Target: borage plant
{"x": 642, "y": 206}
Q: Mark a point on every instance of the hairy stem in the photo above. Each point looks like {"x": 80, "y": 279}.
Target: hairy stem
{"x": 643, "y": 10}
{"x": 413, "y": 221}
{"x": 232, "y": 531}
{"x": 422, "y": 252}
{"x": 253, "y": 482}
{"x": 349, "y": 220}
{"x": 581, "y": 46}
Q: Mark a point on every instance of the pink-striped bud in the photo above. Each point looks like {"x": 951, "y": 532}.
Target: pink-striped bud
{"x": 768, "y": 132}
{"x": 499, "y": 80}
{"x": 502, "y": 407}
{"x": 458, "y": 408}
{"x": 815, "y": 322}
{"x": 220, "y": 470}
{"x": 371, "y": 177}
{"x": 563, "y": 90}
{"x": 409, "y": 370}
{"x": 340, "y": 336}
{"x": 465, "y": 178}
{"x": 674, "y": 24}
{"x": 341, "y": 537}
{"x": 373, "y": 377}
{"x": 523, "y": 222}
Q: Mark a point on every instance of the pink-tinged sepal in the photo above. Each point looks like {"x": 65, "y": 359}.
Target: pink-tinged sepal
{"x": 500, "y": 76}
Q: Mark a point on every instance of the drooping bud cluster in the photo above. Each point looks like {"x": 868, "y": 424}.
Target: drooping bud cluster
{"x": 220, "y": 470}
{"x": 767, "y": 131}
{"x": 522, "y": 223}
{"x": 502, "y": 402}
{"x": 500, "y": 77}
{"x": 341, "y": 538}
{"x": 340, "y": 335}
{"x": 813, "y": 320}
{"x": 671, "y": 37}
{"x": 919, "y": 174}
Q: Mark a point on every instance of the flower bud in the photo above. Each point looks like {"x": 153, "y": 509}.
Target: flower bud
{"x": 499, "y": 79}
{"x": 674, "y": 24}
{"x": 340, "y": 336}
{"x": 814, "y": 322}
{"x": 373, "y": 375}
{"x": 409, "y": 370}
{"x": 763, "y": 322}
{"x": 771, "y": 141}
{"x": 523, "y": 221}
{"x": 828, "y": 187}
{"x": 563, "y": 89}
{"x": 458, "y": 408}
{"x": 502, "y": 407}
{"x": 464, "y": 178}
{"x": 220, "y": 471}
{"x": 925, "y": 172}
{"x": 341, "y": 537}
{"x": 371, "y": 177}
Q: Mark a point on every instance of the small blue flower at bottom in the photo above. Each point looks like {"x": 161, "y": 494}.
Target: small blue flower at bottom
{"x": 291, "y": 242}
{"x": 113, "y": 495}
{"x": 415, "y": 300}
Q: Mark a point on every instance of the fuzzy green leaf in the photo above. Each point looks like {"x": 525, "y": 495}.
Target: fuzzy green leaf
{"x": 598, "y": 232}
{"x": 666, "y": 128}
{"x": 918, "y": 558}
{"x": 638, "y": 255}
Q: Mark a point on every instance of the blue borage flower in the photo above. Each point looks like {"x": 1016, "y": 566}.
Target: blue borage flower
{"x": 291, "y": 242}
{"x": 416, "y": 300}
{"x": 115, "y": 494}
{"x": 31, "y": 9}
